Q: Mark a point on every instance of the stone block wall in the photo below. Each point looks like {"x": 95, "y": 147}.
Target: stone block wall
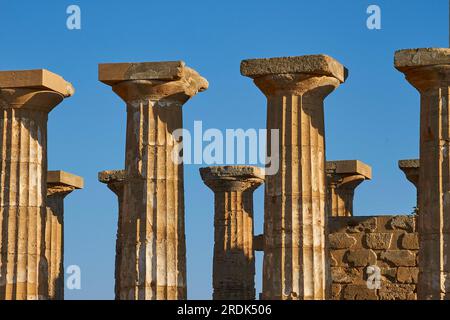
{"x": 388, "y": 242}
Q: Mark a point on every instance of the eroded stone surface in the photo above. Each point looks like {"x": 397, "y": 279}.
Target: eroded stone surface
{"x": 318, "y": 65}
{"x": 413, "y": 58}
{"x": 359, "y": 292}
{"x": 407, "y": 275}
{"x": 361, "y": 257}
{"x": 378, "y": 240}
{"x": 402, "y": 223}
{"x": 368, "y": 225}
{"x": 397, "y": 292}
{"x": 39, "y": 79}
{"x": 410, "y": 241}
{"x": 344, "y": 275}
{"x": 341, "y": 241}
{"x": 399, "y": 257}
{"x": 350, "y": 263}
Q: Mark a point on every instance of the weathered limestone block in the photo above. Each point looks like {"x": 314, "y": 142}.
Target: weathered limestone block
{"x": 410, "y": 241}
{"x": 397, "y": 292}
{"x": 399, "y": 258}
{"x": 359, "y": 292}
{"x": 153, "y": 259}
{"x": 59, "y": 185}
{"x": 295, "y": 255}
{"x": 389, "y": 273}
{"x": 346, "y": 275}
{"x": 361, "y": 257}
{"x": 336, "y": 290}
{"x": 337, "y": 258}
{"x": 341, "y": 241}
{"x": 115, "y": 180}
{"x": 407, "y": 275}
{"x": 406, "y": 223}
{"x": 368, "y": 225}
{"x": 26, "y": 98}
{"x": 342, "y": 179}
{"x": 428, "y": 70}
{"x": 378, "y": 241}
{"x": 234, "y": 260}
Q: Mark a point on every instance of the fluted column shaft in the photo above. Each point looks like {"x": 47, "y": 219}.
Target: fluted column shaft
{"x": 153, "y": 250}
{"x": 154, "y": 205}
{"x": 294, "y": 251}
{"x": 23, "y": 160}
{"x": 428, "y": 70}
{"x": 434, "y": 188}
{"x": 54, "y": 238}
{"x": 59, "y": 185}
{"x": 340, "y": 201}
{"x": 295, "y": 257}
{"x": 22, "y": 203}
{"x": 234, "y": 260}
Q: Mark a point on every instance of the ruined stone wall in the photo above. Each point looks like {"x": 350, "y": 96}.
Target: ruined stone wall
{"x": 389, "y": 242}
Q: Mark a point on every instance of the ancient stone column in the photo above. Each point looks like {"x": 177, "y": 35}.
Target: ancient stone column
{"x": 295, "y": 254}
{"x": 234, "y": 261}
{"x": 59, "y": 185}
{"x": 411, "y": 170}
{"x": 342, "y": 179}
{"x": 153, "y": 259}
{"x": 26, "y": 98}
{"x": 428, "y": 70}
{"x": 115, "y": 180}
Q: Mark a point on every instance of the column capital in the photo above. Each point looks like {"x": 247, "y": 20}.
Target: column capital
{"x": 170, "y": 81}
{"x": 424, "y": 68}
{"x": 411, "y": 169}
{"x": 232, "y": 178}
{"x": 39, "y": 90}
{"x": 61, "y": 182}
{"x": 313, "y": 74}
{"x": 258, "y": 242}
{"x": 348, "y": 173}
{"x": 114, "y": 179}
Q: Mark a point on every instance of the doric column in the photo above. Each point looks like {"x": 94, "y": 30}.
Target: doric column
{"x": 153, "y": 259}
{"x": 234, "y": 261}
{"x": 342, "y": 179}
{"x": 59, "y": 185}
{"x": 115, "y": 180}
{"x": 411, "y": 170}
{"x": 295, "y": 254}
{"x": 26, "y": 98}
{"x": 428, "y": 70}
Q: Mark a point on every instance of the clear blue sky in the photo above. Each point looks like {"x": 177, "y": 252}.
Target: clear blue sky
{"x": 373, "y": 117}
